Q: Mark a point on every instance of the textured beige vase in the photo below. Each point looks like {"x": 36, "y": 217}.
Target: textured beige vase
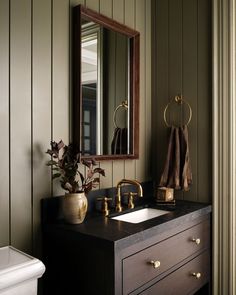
{"x": 74, "y": 207}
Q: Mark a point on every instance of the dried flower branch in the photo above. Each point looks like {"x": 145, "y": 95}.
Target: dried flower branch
{"x": 65, "y": 162}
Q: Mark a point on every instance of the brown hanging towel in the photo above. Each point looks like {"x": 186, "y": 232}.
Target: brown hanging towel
{"x": 171, "y": 174}
{"x": 177, "y": 172}
{"x": 186, "y": 171}
{"x": 119, "y": 141}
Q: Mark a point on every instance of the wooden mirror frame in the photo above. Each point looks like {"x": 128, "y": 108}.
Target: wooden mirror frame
{"x": 80, "y": 12}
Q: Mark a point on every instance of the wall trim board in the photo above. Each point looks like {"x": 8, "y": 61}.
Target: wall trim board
{"x": 224, "y": 153}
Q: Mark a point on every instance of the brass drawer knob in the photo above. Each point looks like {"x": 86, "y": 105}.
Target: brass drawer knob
{"x": 197, "y": 275}
{"x": 197, "y": 241}
{"x": 155, "y": 264}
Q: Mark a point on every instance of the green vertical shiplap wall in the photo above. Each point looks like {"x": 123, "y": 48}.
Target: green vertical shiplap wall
{"x": 35, "y": 96}
{"x": 181, "y": 62}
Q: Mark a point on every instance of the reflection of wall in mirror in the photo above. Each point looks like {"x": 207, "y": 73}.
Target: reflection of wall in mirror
{"x": 89, "y": 119}
{"x": 115, "y": 88}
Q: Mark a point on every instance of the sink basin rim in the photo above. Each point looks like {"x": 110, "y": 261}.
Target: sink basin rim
{"x": 140, "y": 215}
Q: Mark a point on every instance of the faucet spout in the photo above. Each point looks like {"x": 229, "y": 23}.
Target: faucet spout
{"x": 126, "y": 181}
{"x": 129, "y": 181}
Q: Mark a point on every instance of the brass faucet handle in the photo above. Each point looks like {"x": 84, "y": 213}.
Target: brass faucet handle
{"x": 105, "y": 209}
{"x": 131, "y": 199}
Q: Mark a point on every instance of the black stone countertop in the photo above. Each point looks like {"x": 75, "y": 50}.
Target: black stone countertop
{"x": 110, "y": 231}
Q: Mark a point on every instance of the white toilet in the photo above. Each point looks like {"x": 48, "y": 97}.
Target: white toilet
{"x": 19, "y": 272}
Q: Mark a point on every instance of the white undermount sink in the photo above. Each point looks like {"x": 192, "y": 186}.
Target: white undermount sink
{"x": 140, "y": 215}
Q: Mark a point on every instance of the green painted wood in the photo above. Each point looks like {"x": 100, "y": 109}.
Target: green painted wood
{"x": 148, "y": 90}
{"x": 160, "y": 84}
{"x": 190, "y": 86}
{"x": 20, "y": 124}
{"x": 129, "y": 11}
{"x": 204, "y": 102}
{"x": 181, "y": 54}
{"x": 105, "y": 7}
{"x": 129, "y": 20}
{"x": 39, "y": 105}
{"x": 60, "y": 76}
{"x": 140, "y": 26}
{"x": 118, "y": 11}
{"x": 4, "y": 122}
{"x": 41, "y": 110}
{"x": 92, "y": 4}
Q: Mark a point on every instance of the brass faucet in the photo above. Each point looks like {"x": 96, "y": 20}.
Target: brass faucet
{"x": 118, "y": 196}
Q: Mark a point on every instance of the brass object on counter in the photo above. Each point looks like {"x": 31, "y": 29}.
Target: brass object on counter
{"x": 131, "y": 199}
{"x": 118, "y": 207}
{"x": 105, "y": 209}
{"x": 165, "y": 194}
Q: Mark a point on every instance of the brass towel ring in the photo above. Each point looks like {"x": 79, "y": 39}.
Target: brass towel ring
{"x": 124, "y": 104}
{"x": 178, "y": 99}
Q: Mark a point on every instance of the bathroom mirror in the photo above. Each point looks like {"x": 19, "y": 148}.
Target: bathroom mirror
{"x": 105, "y": 65}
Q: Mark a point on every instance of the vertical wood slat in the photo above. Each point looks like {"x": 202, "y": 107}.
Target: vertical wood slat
{"x": 93, "y": 4}
{"x": 60, "y": 75}
{"x": 105, "y": 182}
{"x": 190, "y": 70}
{"x": 140, "y": 26}
{"x": 105, "y": 7}
{"x": 175, "y": 59}
{"x": 160, "y": 84}
{"x": 204, "y": 103}
{"x": 20, "y": 69}
{"x": 118, "y": 15}
{"x": 175, "y": 47}
{"x": 41, "y": 111}
{"x": 129, "y": 20}
{"x": 148, "y": 92}
{"x": 118, "y": 11}
{"x": 4, "y": 122}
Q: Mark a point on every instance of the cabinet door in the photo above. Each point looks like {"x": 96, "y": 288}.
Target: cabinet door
{"x": 185, "y": 280}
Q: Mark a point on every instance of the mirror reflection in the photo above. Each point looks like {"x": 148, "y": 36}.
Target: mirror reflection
{"x": 105, "y": 90}
{"x": 105, "y": 86}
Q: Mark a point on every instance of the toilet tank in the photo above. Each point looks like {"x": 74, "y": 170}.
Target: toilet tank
{"x": 19, "y": 272}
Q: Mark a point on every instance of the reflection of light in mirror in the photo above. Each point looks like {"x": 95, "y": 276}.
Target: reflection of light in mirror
{"x": 89, "y": 60}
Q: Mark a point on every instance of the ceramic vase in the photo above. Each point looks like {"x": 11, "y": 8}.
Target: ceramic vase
{"x": 74, "y": 207}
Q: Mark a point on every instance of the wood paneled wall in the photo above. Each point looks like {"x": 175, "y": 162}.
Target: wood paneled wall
{"x": 35, "y": 95}
{"x": 182, "y": 65}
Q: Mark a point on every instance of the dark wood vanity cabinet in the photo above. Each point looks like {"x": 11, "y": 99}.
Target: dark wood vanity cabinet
{"x": 171, "y": 253}
{"x": 172, "y": 257}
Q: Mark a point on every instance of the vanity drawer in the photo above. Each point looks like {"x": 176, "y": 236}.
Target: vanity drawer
{"x": 185, "y": 280}
{"x": 138, "y": 269}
